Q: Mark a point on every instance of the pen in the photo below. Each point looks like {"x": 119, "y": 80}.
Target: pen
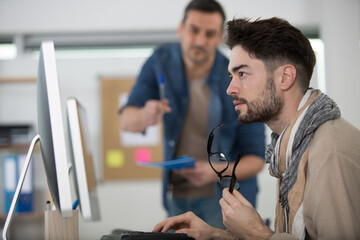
{"x": 162, "y": 87}
{"x": 76, "y": 203}
{"x": 48, "y": 206}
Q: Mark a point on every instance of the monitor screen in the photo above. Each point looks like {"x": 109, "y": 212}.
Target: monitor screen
{"x": 82, "y": 160}
{"x": 51, "y": 130}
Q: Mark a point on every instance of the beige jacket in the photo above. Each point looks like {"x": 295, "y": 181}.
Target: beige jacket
{"x": 332, "y": 186}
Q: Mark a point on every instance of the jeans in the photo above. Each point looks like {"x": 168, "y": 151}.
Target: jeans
{"x": 208, "y": 209}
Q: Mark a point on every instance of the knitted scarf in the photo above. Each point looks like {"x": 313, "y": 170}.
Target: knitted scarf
{"x": 285, "y": 152}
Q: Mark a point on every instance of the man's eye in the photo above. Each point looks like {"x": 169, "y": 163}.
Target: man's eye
{"x": 242, "y": 74}
{"x": 194, "y": 30}
{"x": 210, "y": 34}
{"x": 230, "y": 76}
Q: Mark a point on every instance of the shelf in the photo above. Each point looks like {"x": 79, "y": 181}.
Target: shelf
{"x": 17, "y": 147}
{"x": 24, "y": 216}
{"x": 18, "y": 80}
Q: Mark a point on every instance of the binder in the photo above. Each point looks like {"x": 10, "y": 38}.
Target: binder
{"x": 25, "y": 202}
{"x": 12, "y": 167}
{"x": 10, "y": 179}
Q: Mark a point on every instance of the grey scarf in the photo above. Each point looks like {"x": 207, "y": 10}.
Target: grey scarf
{"x": 321, "y": 110}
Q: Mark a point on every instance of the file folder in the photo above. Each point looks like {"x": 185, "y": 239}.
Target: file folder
{"x": 25, "y": 202}
{"x": 10, "y": 179}
{"x": 12, "y": 166}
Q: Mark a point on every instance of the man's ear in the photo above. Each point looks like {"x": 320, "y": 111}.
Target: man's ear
{"x": 180, "y": 29}
{"x": 288, "y": 74}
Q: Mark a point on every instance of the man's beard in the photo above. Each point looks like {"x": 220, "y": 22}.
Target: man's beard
{"x": 264, "y": 109}
{"x": 196, "y": 59}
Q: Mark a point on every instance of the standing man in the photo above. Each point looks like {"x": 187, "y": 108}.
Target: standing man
{"x": 314, "y": 152}
{"x": 196, "y": 77}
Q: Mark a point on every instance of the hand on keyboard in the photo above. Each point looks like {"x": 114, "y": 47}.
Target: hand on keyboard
{"x": 138, "y": 235}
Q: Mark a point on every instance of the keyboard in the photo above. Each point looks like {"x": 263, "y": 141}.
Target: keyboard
{"x": 120, "y": 234}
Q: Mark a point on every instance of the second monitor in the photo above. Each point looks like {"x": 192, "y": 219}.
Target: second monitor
{"x": 82, "y": 160}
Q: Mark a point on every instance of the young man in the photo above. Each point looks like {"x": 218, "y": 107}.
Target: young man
{"x": 314, "y": 152}
{"x": 195, "y": 76}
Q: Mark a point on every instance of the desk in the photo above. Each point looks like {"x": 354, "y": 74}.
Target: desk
{"x": 31, "y": 225}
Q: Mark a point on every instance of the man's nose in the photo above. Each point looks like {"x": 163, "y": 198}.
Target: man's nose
{"x": 200, "y": 39}
{"x": 233, "y": 88}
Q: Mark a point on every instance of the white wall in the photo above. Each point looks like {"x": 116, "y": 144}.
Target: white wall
{"x": 340, "y": 30}
{"x": 39, "y": 16}
{"x": 135, "y": 204}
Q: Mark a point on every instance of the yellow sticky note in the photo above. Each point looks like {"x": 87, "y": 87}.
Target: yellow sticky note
{"x": 115, "y": 159}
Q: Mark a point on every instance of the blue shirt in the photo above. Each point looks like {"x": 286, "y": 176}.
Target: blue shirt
{"x": 232, "y": 139}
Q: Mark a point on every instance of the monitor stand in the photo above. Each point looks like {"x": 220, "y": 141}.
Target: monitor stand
{"x": 19, "y": 186}
{"x": 57, "y": 227}
{"x": 55, "y": 224}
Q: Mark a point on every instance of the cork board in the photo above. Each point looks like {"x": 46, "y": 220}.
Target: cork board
{"x": 120, "y": 149}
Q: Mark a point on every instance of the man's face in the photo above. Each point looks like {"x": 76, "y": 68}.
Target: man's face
{"x": 200, "y": 34}
{"x": 252, "y": 89}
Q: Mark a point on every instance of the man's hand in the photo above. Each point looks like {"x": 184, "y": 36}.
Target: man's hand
{"x": 241, "y": 218}
{"x": 154, "y": 110}
{"x": 193, "y": 226}
{"x": 200, "y": 175}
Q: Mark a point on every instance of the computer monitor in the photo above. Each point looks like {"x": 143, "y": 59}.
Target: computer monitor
{"x": 51, "y": 136}
{"x": 51, "y": 130}
{"x": 82, "y": 160}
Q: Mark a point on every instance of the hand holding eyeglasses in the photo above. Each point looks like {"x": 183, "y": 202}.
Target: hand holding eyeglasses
{"x": 241, "y": 218}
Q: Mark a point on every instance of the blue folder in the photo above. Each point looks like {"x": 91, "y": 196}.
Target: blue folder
{"x": 173, "y": 164}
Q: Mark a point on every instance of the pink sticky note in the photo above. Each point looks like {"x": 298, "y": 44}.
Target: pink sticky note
{"x": 143, "y": 155}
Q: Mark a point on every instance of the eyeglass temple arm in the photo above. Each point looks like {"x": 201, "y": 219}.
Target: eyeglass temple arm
{"x": 233, "y": 177}
{"x": 209, "y": 143}
{"x": 211, "y": 137}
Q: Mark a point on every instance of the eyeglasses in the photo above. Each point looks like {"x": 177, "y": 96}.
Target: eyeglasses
{"x": 218, "y": 157}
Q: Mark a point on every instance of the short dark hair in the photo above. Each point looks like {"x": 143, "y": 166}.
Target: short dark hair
{"x": 208, "y": 6}
{"x": 275, "y": 42}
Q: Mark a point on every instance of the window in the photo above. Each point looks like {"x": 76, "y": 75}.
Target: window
{"x": 7, "y": 51}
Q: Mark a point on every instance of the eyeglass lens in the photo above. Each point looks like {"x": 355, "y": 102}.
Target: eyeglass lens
{"x": 226, "y": 182}
{"x": 216, "y": 158}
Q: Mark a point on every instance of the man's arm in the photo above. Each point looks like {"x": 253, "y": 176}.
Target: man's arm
{"x": 201, "y": 174}
{"x": 250, "y": 144}
{"x": 249, "y": 166}
{"x": 136, "y": 119}
{"x": 331, "y": 197}
{"x": 132, "y": 119}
